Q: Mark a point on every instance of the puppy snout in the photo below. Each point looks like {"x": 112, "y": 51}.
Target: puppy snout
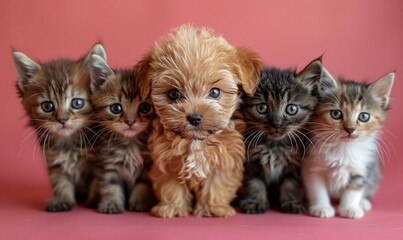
{"x": 195, "y": 119}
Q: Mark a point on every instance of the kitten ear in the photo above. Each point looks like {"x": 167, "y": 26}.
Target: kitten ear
{"x": 97, "y": 49}
{"x": 328, "y": 81}
{"x": 142, "y": 76}
{"x": 99, "y": 72}
{"x": 26, "y": 69}
{"x": 311, "y": 75}
{"x": 382, "y": 88}
{"x": 249, "y": 67}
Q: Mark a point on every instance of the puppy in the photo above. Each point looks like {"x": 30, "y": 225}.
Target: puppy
{"x": 197, "y": 154}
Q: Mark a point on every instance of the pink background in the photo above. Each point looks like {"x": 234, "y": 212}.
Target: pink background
{"x": 362, "y": 40}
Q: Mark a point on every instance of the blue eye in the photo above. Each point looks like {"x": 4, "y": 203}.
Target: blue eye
{"x": 336, "y": 114}
{"x": 291, "y": 109}
{"x": 364, "y": 117}
{"x": 262, "y": 108}
{"x": 47, "y": 106}
{"x": 116, "y": 108}
{"x": 174, "y": 94}
{"x": 214, "y": 93}
{"x": 77, "y": 103}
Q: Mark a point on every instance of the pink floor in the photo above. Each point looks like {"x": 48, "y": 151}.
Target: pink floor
{"x": 360, "y": 40}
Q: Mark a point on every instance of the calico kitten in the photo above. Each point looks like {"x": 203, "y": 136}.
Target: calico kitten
{"x": 344, "y": 163}
{"x": 276, "y": 138}
{"x": 56, "y": 98}
{"x": 122, "y": 159}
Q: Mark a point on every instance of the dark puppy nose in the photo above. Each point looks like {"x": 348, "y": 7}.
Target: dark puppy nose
{"x": 194, "y": 119}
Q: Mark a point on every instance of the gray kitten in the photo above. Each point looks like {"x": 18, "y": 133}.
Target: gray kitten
{"x": 276, "y": 138}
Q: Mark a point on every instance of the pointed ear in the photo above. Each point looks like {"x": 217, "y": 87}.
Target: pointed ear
{"x": 249, "y": 66}
{"x": 311, "y": 75}
{"x": 327, "y": 82}
{"x": 97, "y": 49}
{"x": 26, "y": 69}
{"x": 99, "y": 72}
{"x": 143, "y": 78}
{"x": 382, "y": 88}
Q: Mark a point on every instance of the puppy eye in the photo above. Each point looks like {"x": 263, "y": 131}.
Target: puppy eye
{"x": 116, "y": 108}
{"x": 364, "y": 117}
{"x": 174, "y": 94}
{"x": 262, "y": 108}
{"x": 77, "y": 103}
{"x": 336, "y": 114}
{"x": 214, "y": 93}
{"x": 291, "y": 109}
{"x": 47, "y": 106}
{"x": 144, "y": 108}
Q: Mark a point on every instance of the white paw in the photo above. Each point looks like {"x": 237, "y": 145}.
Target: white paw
{"x": 351, "y": 211}
{"x": 366, "y": 204}
{"x": 322, "y": 211}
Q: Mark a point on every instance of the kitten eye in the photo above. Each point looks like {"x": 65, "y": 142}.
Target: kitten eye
{"x": 261, "y": 108}
{"x": 291, "y": 109}
{"x": 116, "y": 108}
{"x": 174, "y": 94}
{"x": 47, "y": 106}
{"x": 144, "y": 108}
{"x": 336, "y": 114}
{"x": 214, "y": 93}
{"x": 364, "y": 117}
{"x": 77, "y": 103}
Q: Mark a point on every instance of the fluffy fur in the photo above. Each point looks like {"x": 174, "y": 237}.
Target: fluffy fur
{"x": 197, "y": 154}
{"x": 276, "y": 138}
{"x": 56, "y": 98}
{"x": 121, "y": 160}
{"x": 344, "y": 163}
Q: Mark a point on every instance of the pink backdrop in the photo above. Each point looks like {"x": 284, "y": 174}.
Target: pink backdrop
{"x": 361, "y": 40}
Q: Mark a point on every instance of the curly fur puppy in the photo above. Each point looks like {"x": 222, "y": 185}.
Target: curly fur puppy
{"x": 197, "y": 154}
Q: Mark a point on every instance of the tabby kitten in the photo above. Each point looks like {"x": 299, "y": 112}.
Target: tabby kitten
{"x": 276, "y": 138}
{"x": 122, "y": 160}
{"x": 56, "y": 98}
{"x": 344, "y": 163}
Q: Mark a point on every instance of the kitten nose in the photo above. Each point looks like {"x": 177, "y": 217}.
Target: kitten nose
{"x": 62, "y": 119}
{"x": 349, "y": 130}
{"x": 277, "y": 123}
{"x": 130, "y": 122}
{"x": 194, "y": 119}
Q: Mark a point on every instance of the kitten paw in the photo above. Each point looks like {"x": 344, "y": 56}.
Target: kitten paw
{"x": 366, "y": 204}
{"x": 251, "y": 206}
{"x": 110, "y": 207}
{"x": 351, "y": 212}
{"x": 293, "y": 207}
{"x": 58, "y": 205}
{"x": 203, "y": 210}
{"x": 322, "y": 211}
{"x": 169, "y": 211}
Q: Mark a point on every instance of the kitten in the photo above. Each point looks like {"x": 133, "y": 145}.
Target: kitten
{"x": 56, "y": 98}
{"x": 276, "y": 138}
{"x": 344, "y": 163}
{"x": 122, "y": 159}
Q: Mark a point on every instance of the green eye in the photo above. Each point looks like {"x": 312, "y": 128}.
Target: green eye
{"x": 262, "y": 108}
{"x": 336, "y": 114}
{"x": 364, "y": 117}
{"x": 77, "y": 103}
{"x": 116, "y": 108}
{"x": 291, "y": 109}
{"x": 47, "y": 106}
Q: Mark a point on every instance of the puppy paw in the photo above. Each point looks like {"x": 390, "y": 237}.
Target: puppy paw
{"x": 59, "y": 205}
{"x": 366, "y": 204}
{"x": 351, "y": 211}
{"x": 251, "y": 206}
{"x": 109, "y": 207}
{"x": 322, "y": 211}
{"x": 203, "y": 210}
{"x": 168, "y": 211}
{"x": 293, "y": 207}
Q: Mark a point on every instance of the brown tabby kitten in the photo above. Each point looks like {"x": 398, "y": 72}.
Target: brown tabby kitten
{"x": 122, "y": 159}
{"x": 56, "y": 97}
